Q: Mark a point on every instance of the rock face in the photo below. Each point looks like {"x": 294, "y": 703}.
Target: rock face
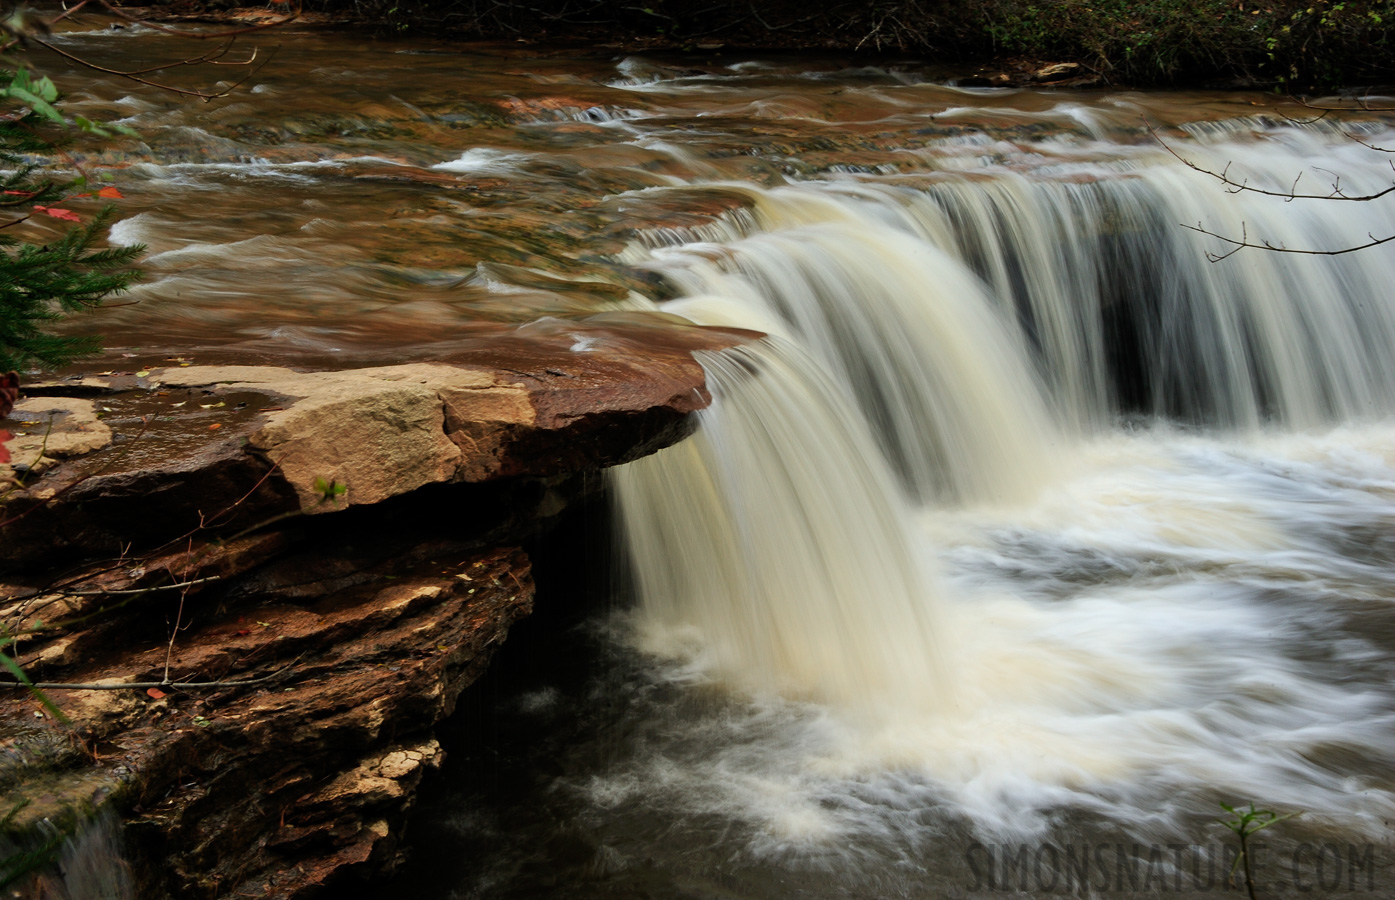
{"x": 250, "y": 442}
{"x": 49, "y": 429}
{"x": 272, "y": 585}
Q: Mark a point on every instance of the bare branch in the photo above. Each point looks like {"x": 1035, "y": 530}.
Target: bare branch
{"x": 146, "y": 685}
{"x": 136, "y": 75}
{"x": 1363, "y": 104}
{"x": 1244, "y": 242}
{"x": 163, "y": 587}
{"x": 1238, "y": 187}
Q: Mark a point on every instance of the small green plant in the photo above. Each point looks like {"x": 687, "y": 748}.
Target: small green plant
{"x": 330, "y": 491}
{"x": 1246, "y": 823}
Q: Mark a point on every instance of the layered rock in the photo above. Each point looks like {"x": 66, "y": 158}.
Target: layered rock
{"x": 257, "y": 441}
{"x": 274, "y": 584}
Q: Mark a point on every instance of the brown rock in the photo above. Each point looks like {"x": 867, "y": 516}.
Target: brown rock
{"x": 1057, "y": 72}
{"x": 9, "y": 392}
{"x": 53, "y": 428}
{"x": 274, "y": 788}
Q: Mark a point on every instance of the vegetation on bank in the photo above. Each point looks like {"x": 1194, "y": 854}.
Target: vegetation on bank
{"x": 45, "y": 276}
{"x": 1288, "y": 44}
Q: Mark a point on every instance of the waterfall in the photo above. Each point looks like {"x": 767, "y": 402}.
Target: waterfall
{"x": 952, "y": 344}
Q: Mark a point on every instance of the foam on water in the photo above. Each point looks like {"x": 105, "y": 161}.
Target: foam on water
{"x": 478, "y": 160}
{"x": 1136, "y": 643}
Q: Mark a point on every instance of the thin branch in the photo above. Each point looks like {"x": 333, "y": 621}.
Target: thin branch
{"x": 179, "y": 616}
{"x": 1245, "y": 242}
{"x": 202, "y": 95}
{"x": 146, "y": 685}
{"x": 137, "y": 590}
{"x": 1237, "y": 187}
{"x": 116, "y": 457}
{"x": 212, "y": 57}
{"x": 1367, "y": 145}
{"x": 1362, "y": 104}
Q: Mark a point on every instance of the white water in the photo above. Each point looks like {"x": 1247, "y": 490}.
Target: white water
{"x": 1138, "y": 623}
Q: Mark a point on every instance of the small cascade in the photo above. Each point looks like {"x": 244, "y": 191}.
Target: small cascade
{"x": 1126, "y": 313}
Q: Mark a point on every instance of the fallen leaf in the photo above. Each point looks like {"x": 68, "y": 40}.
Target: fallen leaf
{"x": 65, "y": 214}
{"x": 215, "y": 426}
{"x": 244, "y": 632}
{"x": 142, "y": 373}
{"x": 155, "y": 693}
{"x": 4, "y": 453}
{"x": 179, "y": 404}
{"x": 111, "y": 193}
{"x": 212, "y": 405}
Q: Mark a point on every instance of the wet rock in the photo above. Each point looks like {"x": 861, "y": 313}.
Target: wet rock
{"x": 300, "y": 757}
{"x": 1057, "y": 72}
{"x": 241, "y": 444}
{"x": 44, "y": 430}
{"x": 257, "y": 687}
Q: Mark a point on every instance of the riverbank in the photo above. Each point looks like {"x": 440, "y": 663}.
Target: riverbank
{"x": 1287, "y": 45}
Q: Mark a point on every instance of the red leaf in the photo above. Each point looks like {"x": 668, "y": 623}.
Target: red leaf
{"x": 156, "y": 693}
{"x": 244, "y": 632}
{"x": 111, "y": 193}
{"x": 65, "y": 214}
{"x": 4, "y": 451}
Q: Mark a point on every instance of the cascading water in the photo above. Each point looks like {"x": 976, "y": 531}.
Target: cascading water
{"x": 1126, "y": 617}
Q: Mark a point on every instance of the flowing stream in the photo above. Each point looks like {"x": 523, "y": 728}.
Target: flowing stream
{"x": 1029, "y": 525}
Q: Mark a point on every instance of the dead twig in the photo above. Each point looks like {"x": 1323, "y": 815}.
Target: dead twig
{"x": 136, "y": 75}
{"x": 183, "y": 585}
{"x": 1237, "y": 187}
{"x": 1244, "y": 242}
{"x": 146, "y": 685}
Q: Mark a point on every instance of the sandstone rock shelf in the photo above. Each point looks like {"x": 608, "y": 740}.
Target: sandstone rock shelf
{"x": 322, "y": 561}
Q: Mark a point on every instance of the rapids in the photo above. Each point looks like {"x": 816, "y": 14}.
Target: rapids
{"x": 1027, "y": 525}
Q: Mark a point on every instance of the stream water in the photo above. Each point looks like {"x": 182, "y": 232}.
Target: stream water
{"x": 1029, "y": 528}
